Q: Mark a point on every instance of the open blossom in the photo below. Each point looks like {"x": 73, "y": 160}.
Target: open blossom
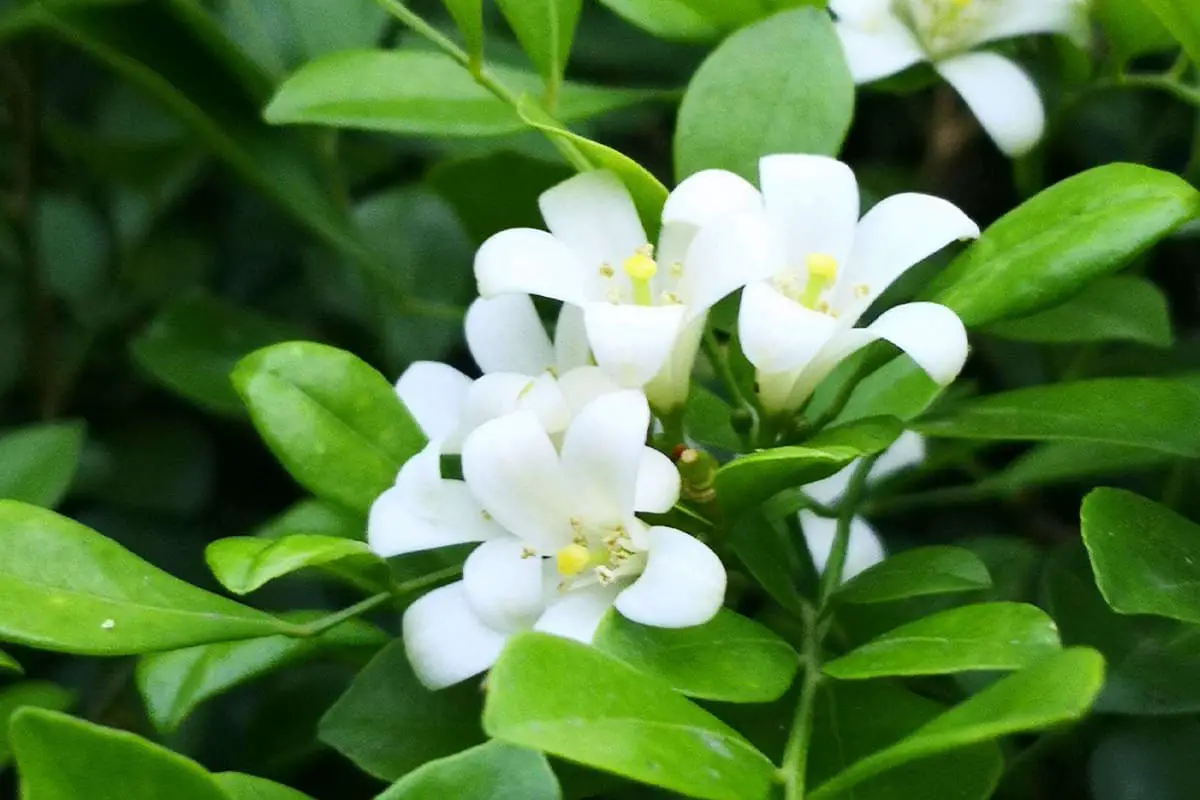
{"x": 864, "y": 549}
{"x": 643, "y": 308}
{"x": 826, "y": 268}
{"x": 883, "y": 37}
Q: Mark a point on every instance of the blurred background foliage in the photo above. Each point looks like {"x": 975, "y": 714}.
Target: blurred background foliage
{"x": 156, "y": 229}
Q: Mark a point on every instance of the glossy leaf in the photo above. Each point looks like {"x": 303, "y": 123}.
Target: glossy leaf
{"x": 612, "y": 717}
{"x": 667, "y": 19}
{"x": 173, "y": 684}
{"x": 421, "y": 93}
{"x": 706, "y": 420}
{"x": 244, "y": 563}
{"x": 1182, "y": 19}
{"x": 730, "y": 116}
{"x": 10, "y": 664}
{"x": 389, "y": 724}
{"x": 729, "y": 658}
{"x": 774, "y": 556}
{"x": 193, "y": 344}
{"x": 492, "y": 771}
{"x": 38, "y": 462}
{"x": 63, "y": 758}
{"x": 1132, "y": 28}
{"x": 927, "y": 570}
{"x": 1062, "y": 462}
{"x": 35, "y": 694}
{"x": 545, "y": 29}
{"x": 1109, "y": 410}
{"x": 751, "y": 479}
{"x": 65, "y": 587}
{"x": 985, "y": 636}
{"x": 1056, "y": 690}
{"x": 898, "y": 389}
{"x": 1146, "y": 761}
{"x": 333, "y": 422}
{"x": 854, "y": 720}
{"x": 468, "y": 17}
{"x": 1064, "y": 238}
{"x": 1146, "y": 557}
{"x": 250, "y": 787}
{"x": 1120, "y": 308}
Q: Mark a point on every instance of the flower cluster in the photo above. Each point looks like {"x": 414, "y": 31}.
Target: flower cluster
{"x": 556, "y": 470}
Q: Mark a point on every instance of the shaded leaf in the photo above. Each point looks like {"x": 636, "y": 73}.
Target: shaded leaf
{"x": 913, "y": 573}
{"x": 38, "y": 462}
{"x": 492, "y": 771}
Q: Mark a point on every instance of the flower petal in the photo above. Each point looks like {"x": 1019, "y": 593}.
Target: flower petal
{"x": 657, "y": 483}
{"x": 863, "y": 550}
{"x": 896, "y": 234}
{"x": 512, "y": 467}
{"x": 724, "y": 257}
{"x": 505, "y": 334}
{"x": 593, "y": 214}
{"x": 571, "y": 348}
{"x": 878, "y": 49}
{"x": 668, "y": 390}
{"x": 1011, "y": 18}
{"x": 683, "y": 584}
{"x": 577, "y": 612}
{"x": 505, "y": 587}
{"x": 528, "y": 261}
{"x": 582, "y": 385}
{"x": 1002, "y": 96}
{"x": 500, "y": 393}
{"x": 631, "y": 343}
{"x": 601, "y": 456}
{"x": 434, "y": 394}
{"x": 709, "y": 196}
{"x": 445, "y": 642}
{"x": 812, "y": 203}
{"x": 907, "y": 451}
{"x": 778, "y": 334}
{"x": 931, "y": 334}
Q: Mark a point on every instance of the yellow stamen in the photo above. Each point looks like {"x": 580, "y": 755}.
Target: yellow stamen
{"x": 572, "y": 559}
{"x": 822, "y": 271}
{"x": 641, "y": 268}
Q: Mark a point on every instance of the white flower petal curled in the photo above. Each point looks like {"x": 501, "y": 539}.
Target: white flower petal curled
{"x": 434, "y": 394}
{"x": 931, "y": 334}
{"x": 683, "y": 583}
{"x": 505, "y": 585}
{"x": 444, "y": 640}
{"x": 1002, "y": 96}
{"x": 878, "y": 50}
{"x": 778, "y": 334}
{"x": 577, "y": 613}
{"x": 602, "y": 453}
{"x": 658, "y": 483}
{"x": 528, "y": 261}
{"x": 505, "y": 334}
{"x": 594, "y": 215}
{"x": 812, "y": 204}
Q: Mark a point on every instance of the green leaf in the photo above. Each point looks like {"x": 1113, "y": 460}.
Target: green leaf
{"x": 667, "y": 19}
{"x": 468, "y": 16}
{"x": 1063, "y": 462}
{"x": 898, "y": 389}
{"x": 771, "y": 554}
{"x": 333, "y": 422}
{"x": 492, "y": 771}
{"x": 1057, "y": 690}
{"x": 927, "y": 570}
{"x": 749, "y": 480}
{"x": 173, "y": 684}
{"x": 193, "y": 343}
{"x": 545, "y": 29}
{"x": 1147, "y": 761}
{"x": 729, "y": 658}
{"x": 1056, "y": 243}
{"x": 732, "y": 115}
{"x": 38, "y": 462}
{"x": 854, "y": 720}
{"x": 65, "y": 587}
{"x": 318, "y": 518}
{"x": 572, "y": 701}
{"x": 1119, "y": 308}
{"x": 1182, "y": 19}
{"x": 985, "y": 636}
{"x": 421, "y": 93}
{"x": 249, "y": 787}
{"x": 63, "y": 758}
{"x": 1131, "y": 27}
{"x": 389, "y": 724}
{"x": 9, "y": 663}
{"x": 1146, "y": 557}
{"x": 1110, "y": 410}
{"x": 36, "y": 694}
{"x": 706, "y": 419}
{"x": 244, "y": 563}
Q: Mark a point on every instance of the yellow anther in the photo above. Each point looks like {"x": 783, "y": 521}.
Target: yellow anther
{"x": 528, "y": 552}
{"x": 606, "y": 271}
{"x": 822, "y": 266}
{"x": 572, "y": 559}
{"x": 861, "y": 290}
{"x": 677, "y": 269}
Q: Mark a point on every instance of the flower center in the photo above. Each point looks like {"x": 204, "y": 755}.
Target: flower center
{"x": 599, "y": 556}
{"x": 943, "y": 26}
{"x": 820, "y": 273}
{"x": 641, "y": 269}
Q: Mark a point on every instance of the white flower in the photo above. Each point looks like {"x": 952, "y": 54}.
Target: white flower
{"x": 643, "y": 309}
{"x": 865, "y": 548}
{"x": 829, "y": 266}
{"x": 883, "y": 37}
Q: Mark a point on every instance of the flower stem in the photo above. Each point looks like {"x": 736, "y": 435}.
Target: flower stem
{"x": 851, "y": 500}
{"x": 720, "y": 365}
{"x": 319, "y": 626}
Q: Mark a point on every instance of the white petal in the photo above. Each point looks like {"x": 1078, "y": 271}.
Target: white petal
{"x": 505, "y": 588}
{"x": 907, "y": 451}
{"x": 593, "y": 214}
{"x": 512, "y": 467}
{"x": 1011, "y": 18}
{"x": 570, "y": 340}
{"x": 434, "y": 394}
{"x": 423, "y": 511}
{"x": 631, "y": 343}
{"x": 504, "y": 334}
{"x": 582, "y": 385}
{"x": 899, "y": 232}
{"x": 577, "y": 612}
{"x": 812, "y": 202}
{"x": 931, "y": 334}
{"x": 601, "y": 454}
{"x": 724, "y": 257}
{"x": 775, "y": 389}
{"x": 683, "y": 585}
{"x": 657, "y": 483}
{"x": 528, "y": 261}
{"x": 861, "y": 12}
{"x": 863, "y": 550}
{"x": 500, "y": 393}
{"x": 829, "y": 490}
{"x": 445, "y": 642}
{"x": 668, "y": 390}
{"x": 778, "y": 334}
{"x": 709, "y": 196}
{"x": 1001, "y": 95}
{"x": 879, "y": 49}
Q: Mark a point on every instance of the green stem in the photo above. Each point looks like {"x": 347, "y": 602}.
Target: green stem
{"x": 319, "y": 626}
{"x": 1162, "y": 83}
{"x": 795, "y": 758}
{"x": 847, "y": 508}
{"x": 720, "y": 365}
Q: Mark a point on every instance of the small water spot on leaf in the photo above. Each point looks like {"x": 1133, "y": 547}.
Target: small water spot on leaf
{"x": 716, "y": 744}
{"x": 108, "y": 624}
